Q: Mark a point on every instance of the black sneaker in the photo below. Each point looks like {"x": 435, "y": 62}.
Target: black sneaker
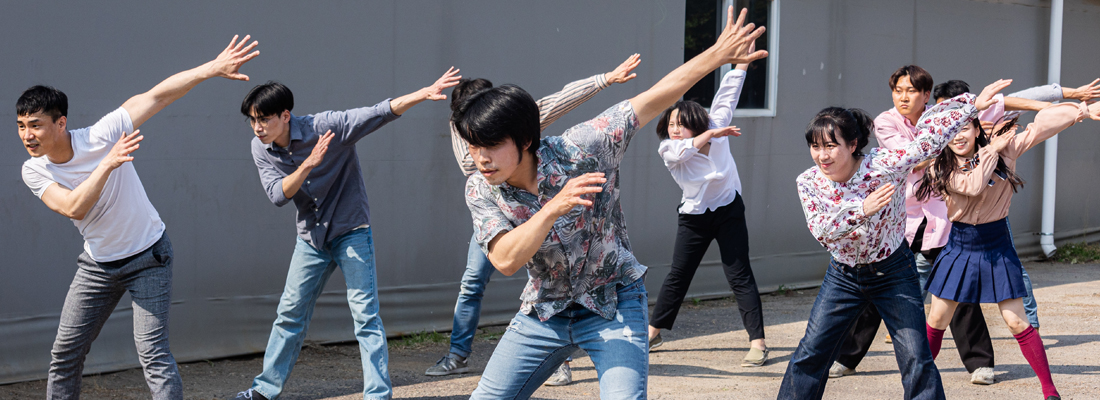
{"x": 448, "y": 365}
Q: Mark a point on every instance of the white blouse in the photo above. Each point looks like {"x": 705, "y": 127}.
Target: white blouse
{"x": 708, "y": 182}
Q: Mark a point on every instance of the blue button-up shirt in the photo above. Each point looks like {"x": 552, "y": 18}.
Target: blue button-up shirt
{"x": 333, "y": 199}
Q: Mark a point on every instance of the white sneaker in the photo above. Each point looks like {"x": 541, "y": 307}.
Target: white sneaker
{"x": 838, "y": 370}
{"x": 563, "y": 376}
{"x": 982, "y": 376}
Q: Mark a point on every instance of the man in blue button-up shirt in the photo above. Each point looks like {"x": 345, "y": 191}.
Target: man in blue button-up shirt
{"x": 321, "y": 174}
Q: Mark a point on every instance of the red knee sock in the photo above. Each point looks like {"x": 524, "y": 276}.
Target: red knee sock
{"x": 935, "y": 339}
{"x": 1032, "y": 347}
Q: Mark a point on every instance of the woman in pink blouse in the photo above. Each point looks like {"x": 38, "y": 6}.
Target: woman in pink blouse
{"x": 979, "y": 263}
{"x": 853, "y": 210}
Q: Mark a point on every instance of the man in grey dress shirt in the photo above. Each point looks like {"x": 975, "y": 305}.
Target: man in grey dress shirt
{"x": 320, "y": 173}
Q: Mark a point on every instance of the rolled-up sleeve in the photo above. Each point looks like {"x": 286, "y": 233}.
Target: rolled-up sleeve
{"x": 270, "y": 177}
{"x": 489, "y": 220}
{"x": 351, "y": 125}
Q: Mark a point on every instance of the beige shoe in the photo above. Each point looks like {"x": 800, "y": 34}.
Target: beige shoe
{"x": 839, "y": 370}
{"x": 982, "y": 376}
{"x": 755, "y": 358}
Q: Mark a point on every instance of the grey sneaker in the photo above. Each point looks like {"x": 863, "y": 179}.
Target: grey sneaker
{"x": 655, "y": 342}
{"x": 249, "y": 395}
{"x": 982, "y": 376}
{"x": 448, "y": 365}
{"x": 838, "y": 370}
{"x": 563, "y": 376}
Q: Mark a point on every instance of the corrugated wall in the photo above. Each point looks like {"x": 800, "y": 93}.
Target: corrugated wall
{"x": 233, "y": 247}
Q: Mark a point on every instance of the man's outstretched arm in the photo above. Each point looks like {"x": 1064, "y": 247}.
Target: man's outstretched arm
{"x": 733, "y": 46}
{"x": 433, "y": 92}
{"x": 226, "y": 65}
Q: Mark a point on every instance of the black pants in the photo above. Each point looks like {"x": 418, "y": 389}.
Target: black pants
{"x": 693, "y": 237}
{"x": 967, "y": 327}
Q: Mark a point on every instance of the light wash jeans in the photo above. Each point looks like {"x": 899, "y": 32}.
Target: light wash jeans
{"x": 1030, "y": 307}
{"x": 310, "y": 268}
{"x": 531, "y": 350}
{"x": 468, "y": 306}
{"x": 96, "y": 289}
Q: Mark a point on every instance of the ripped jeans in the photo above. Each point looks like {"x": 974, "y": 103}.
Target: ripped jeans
{"x": 531, "y": 350}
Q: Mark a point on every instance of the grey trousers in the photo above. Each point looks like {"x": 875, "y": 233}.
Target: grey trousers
{"x": 93, "y": 295}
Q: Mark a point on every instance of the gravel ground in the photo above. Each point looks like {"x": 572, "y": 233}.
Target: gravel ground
{"x": 699, "y": 360}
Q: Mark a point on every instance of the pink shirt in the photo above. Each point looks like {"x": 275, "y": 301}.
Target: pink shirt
{"x": 895, "y": 132}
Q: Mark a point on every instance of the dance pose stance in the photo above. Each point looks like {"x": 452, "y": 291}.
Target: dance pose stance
{"x": 979, "y": 264}
{"x": 320, "y": 173}
{"x": 86, "y": 175}
{"x": 552, "y": 206}
{"x": 927, "y": 226}
{"x": 695, "y": 148}
{"x": 853, "y": 210}
{"x": 478, "y": 267}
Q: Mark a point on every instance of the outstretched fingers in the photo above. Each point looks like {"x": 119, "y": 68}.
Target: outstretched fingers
{"x": 449, "y": 79}
{"x": 986, "y": 98}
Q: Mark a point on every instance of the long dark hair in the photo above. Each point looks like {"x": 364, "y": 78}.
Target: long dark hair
{"x": 934, "y": 182}
{"x": 692, "y": 116}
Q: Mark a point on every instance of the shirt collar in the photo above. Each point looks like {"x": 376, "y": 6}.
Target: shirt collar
{"x": 905, "y": 121}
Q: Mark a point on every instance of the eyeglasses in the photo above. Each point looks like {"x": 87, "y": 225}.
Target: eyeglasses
{"x": 261, "y": 121}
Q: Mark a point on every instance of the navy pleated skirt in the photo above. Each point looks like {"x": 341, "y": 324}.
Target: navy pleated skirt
{"x": 978, "y": 265}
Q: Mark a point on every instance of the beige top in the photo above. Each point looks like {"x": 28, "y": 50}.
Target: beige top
{"x": 971, "y": 200}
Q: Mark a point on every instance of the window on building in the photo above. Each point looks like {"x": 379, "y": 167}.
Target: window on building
{"x": 704, "y": 20}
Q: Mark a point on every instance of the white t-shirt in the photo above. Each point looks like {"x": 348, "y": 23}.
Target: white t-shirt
{"x": 123, "y": 222}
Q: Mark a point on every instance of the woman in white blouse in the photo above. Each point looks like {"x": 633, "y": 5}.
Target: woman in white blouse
{"x": 695, "y": 148}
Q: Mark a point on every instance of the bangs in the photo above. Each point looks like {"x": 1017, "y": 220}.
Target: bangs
{"x": 821, "y": 131}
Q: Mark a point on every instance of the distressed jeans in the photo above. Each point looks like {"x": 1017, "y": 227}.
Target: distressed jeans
{"x": 468, "y": 306}
{"x": 891, "y": 286}
{"x": 93, "y": 295}
{"x": 531, "y": 350}
{"x": 310, "y": 269}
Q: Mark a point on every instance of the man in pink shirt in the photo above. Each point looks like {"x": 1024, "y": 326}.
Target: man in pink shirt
{"x": 926, "y": 229}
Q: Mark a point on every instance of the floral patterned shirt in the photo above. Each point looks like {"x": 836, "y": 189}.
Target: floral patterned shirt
{"x": 834, "y": 210}
{"x": 586, "y": 255}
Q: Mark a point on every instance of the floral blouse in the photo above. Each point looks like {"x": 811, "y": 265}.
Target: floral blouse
{"x": 586, "y": 255}
{"x": 834, "y": 210}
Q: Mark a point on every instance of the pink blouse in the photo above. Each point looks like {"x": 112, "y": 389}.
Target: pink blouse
{"x": 834, "y": 210}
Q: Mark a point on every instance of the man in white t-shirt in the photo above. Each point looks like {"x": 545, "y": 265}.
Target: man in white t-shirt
{"x": 85, "y": 174}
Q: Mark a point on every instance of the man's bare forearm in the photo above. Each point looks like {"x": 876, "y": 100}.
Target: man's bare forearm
{"x": 652, "y": 102}
{"x": 1022, "y": 104}
{"x": 294, "y": 181}
{"x": 510, "y": 251}
{"x": 76, "y": 203}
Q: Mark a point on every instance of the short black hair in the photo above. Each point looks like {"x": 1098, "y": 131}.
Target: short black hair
{"x": 692, "y": 116}
{"x": 271, "y": 98}
{"x": 43, "y": 99}
{"x": 852, "y": 125}
{"x": 466, "y": 87}
{"x": 950, "y": 89}
{"x": 488, "y": 117}
{"x": 921, "y": 79}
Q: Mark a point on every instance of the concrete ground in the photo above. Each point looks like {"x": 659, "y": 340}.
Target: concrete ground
{"x": 699, "y": 360}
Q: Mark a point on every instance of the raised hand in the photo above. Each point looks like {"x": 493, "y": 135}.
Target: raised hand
{"x": 318, "y": 153}
{"x": 720, "y": 132}
{"x": 622, "y": 73}
{"x": 1084, "y": 93}
{"x": 985, "y": 99}
{"x": 435, "y": 91}
{"x": 120, "y": 152}
{"x": 736, "y": 41}
{"x": 878, "y": 199}
{"x": 572, "y": 194}
{"x": 999, "y": 142}
{"x": 745, "y": 66}
{"x": 1094, "y": 110}
{"x": 233, "y": 57}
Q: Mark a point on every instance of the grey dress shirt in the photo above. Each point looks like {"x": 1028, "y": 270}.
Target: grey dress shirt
{"x": 333, "y": 199}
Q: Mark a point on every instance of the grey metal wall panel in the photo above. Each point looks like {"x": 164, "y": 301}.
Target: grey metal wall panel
{"x": 232, "y": 246}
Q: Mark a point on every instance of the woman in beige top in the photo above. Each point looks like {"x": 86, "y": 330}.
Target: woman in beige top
{"x": 979, "y": 263}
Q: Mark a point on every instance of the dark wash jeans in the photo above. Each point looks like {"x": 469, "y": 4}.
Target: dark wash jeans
{"x": 96, "y": 289}
{"x": 891, "y": 285}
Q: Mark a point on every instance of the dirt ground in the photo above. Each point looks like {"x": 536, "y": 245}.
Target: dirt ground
{"x": 700, "y": 358}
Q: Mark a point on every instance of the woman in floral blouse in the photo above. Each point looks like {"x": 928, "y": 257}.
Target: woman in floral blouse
{"x": 853, "y": 210}
{"x": 979, "y": 264}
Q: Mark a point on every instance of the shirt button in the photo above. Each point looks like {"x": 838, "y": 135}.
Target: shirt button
{"x": 314, "y": 208}
{"x": 291, "y": 152}
{"x": 307, "y": 182}
{"x": 314, "y": 199}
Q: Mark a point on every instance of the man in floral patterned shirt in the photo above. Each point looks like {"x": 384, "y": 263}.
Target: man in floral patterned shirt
{"x": 585, "y": 288}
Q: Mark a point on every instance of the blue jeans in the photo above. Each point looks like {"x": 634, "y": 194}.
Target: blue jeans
{"x": 310, "y": 268}
{"x": 468, "y": 306}
{"x": 531, "y": 350}
{"x": 891, "y": 286}
{"x": 1030, "y": 307}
